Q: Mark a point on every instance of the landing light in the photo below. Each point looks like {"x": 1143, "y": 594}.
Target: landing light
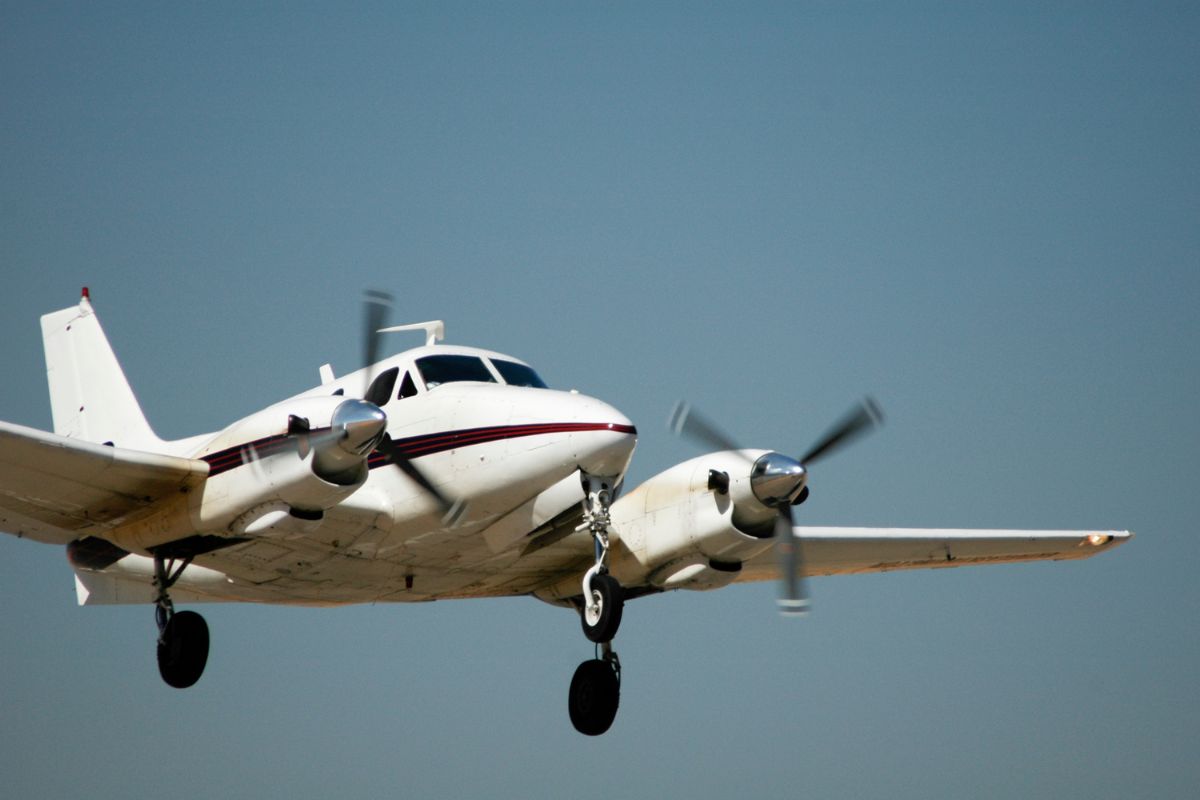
{"x": 1097, "y": 539}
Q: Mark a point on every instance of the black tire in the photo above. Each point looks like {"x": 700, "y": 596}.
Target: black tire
{"x": 594, "y": 697}
{"x": 611, "y": 598}
{"x": 183, "y": 650}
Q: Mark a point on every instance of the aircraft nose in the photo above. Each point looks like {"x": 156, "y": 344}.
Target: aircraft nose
{"x": 606, "y": 437}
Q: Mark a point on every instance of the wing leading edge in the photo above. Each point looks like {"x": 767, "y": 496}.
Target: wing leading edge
{"x": 848, "y": 551}
{"x": 55, "y": 489}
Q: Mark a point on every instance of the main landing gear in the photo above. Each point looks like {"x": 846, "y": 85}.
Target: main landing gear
{"x": 596, "y": 686}
{"x": 182, "y": 635}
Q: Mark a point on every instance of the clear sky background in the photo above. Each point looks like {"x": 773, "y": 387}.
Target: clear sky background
{"x": 988, "y": 217}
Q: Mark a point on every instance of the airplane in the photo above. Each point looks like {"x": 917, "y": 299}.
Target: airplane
{"x": 440, "y": 472}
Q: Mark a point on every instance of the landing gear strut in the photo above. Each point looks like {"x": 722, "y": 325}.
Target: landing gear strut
{"x": 603, "y": 599}
{"x": 596, "y": 686}
{"x": 183, "y": 635}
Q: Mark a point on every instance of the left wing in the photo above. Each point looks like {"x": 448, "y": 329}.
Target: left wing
{"x": 55, "y": 489}
{"x": 847, "y": 551}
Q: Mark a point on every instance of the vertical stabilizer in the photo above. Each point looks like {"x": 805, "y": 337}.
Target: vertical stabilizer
{"x": 89, "y": 396}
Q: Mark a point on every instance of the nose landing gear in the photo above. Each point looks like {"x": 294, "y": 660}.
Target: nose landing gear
{"x": 595, "y": 690}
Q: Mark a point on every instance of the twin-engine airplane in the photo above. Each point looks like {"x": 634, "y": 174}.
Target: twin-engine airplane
{"x": 441, "y": 472}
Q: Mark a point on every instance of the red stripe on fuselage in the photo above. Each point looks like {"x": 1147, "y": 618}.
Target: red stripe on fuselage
{"x": 414, "y": 446}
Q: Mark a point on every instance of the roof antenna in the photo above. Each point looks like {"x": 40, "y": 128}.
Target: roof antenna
{"x": 435, "y": 330}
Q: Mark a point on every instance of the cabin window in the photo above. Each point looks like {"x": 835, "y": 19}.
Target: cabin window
{"x": 515, "y": 374}
{"x": 407, "y": 387}
{"x": 436, "y": 370}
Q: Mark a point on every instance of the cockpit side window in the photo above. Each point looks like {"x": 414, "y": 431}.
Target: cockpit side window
{"x": 515, "y": 374}
{"x": 380, "y": 390}
{"x": 407, "y": 387}
{"x": 436, "y": 370}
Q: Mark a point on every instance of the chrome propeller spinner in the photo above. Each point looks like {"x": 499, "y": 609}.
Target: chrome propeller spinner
{"x": 360, "y": 425}
{"x": 340, "y": 451}
{"x": 779, "y": 481}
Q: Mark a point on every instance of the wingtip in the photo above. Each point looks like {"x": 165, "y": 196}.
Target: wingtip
{"x": 1105, "y": 539}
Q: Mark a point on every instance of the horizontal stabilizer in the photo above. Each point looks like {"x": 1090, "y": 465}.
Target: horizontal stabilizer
{"x": 132, "y": 583}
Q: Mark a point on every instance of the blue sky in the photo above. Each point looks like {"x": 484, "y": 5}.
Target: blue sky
{"x": 985, "y": 217}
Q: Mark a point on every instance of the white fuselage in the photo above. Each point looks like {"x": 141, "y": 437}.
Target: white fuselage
{"x": 512, "y": 453}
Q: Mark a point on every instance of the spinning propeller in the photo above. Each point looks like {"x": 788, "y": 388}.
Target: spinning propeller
{"x": 780, "y": 481}
{"x": 360, "y": 426}
{"x": 376, "y": 306}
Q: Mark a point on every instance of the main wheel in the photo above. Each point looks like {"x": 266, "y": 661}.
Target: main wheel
{"x": 595, "y": 695}
{"x": 183, "y": 649}
{"x": 600, "y": 624}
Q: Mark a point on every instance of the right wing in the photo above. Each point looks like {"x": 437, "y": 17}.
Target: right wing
{"x": 56, "y": 489}
{"x": 847, "y": 551}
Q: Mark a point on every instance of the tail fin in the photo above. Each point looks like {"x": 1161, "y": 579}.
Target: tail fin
{"x": 90, "y": 398}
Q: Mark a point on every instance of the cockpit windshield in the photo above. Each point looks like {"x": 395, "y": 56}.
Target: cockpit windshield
{"x": 436, "y": 370}
{"x": 515, "y": 374}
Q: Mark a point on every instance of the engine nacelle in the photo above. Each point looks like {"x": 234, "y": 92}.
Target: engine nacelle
{"x": 286, "y": 457}
{"x": 692, "y": 526}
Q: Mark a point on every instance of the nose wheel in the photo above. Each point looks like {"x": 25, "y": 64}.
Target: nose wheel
{"x": 601, "y": 614}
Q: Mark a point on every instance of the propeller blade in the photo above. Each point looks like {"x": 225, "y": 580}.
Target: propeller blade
{"x": 686, "y": 420}
{"x": 376, "y": 306}
{"x": 452, "y": 510}
{"x": 860, "y": 419}
{"x": 793, "y": 596}
{"x": 306, "y": 439}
